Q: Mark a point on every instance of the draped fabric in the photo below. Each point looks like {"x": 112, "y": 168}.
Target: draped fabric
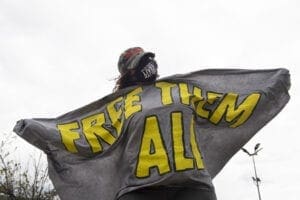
{"x": 179, "y": 131}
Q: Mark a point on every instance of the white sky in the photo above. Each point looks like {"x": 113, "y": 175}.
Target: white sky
{"x": 59, "y": 55}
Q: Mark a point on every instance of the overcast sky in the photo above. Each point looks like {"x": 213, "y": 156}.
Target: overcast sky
{"x": 59, "y": 55}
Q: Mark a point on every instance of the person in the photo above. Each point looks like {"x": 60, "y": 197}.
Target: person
{"x": 137, "y": 68}
{"x": 155, "y": 138}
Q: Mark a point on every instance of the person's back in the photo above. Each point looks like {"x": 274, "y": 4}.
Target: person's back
{"x": 167, "y": 168}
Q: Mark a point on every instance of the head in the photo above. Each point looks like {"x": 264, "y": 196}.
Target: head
{"x": 136, "y": 67}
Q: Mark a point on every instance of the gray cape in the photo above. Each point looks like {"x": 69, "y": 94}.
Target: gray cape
{"x": 179, "y": 131}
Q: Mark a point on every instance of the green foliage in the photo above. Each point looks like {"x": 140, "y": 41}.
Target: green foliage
{"x": 20, "y": 183}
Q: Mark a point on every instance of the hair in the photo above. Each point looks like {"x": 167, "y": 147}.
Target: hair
{"x": 134, "y": 76}
{"x": 124, "y": 80}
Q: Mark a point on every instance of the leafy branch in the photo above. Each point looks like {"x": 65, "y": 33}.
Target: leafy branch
{"x": 20, "y": 183}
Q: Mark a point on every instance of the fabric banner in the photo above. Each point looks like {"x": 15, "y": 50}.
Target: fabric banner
{"x": 179, "y": 131}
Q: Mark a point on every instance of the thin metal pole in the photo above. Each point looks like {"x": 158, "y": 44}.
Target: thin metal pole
{"x": 256, "y": 178}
